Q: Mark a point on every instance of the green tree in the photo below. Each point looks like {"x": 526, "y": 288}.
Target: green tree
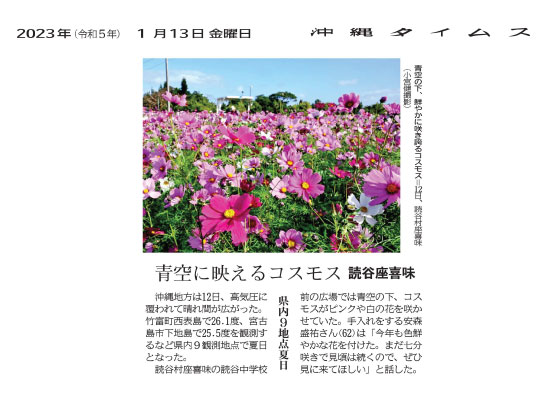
{"x": 256, "y": 107}
{"x": 184, "y": 87}
{"x": 264, "y": 102}
{"x": 280, "y": 100}
{"x": 302, "y": 106}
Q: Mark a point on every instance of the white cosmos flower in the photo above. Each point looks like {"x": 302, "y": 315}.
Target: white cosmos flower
{"x": 267, "y": 135}
{"x": 165, "y": 184}
{"x": 365, "y": 212}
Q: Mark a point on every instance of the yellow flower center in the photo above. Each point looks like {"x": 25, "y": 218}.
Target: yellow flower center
{"x": 146, "y": 191}
{"x": 162, "y": 168}
{"x": 219, "y": 144}
{"x": 229, "y": 213}
{"x": 212, "y": 180}
{"x": 291, "y": 126}
{"x": 305, "y": 185}
{"x": 204, "y": 241}
{"x": 187, "y": 123}
{"x": 283, "y": 189}
{"x": 372, "y": 160}
{"x": 206, "y": 154}
{"x": 291, "y": 244}
{"x": 290, "y": 163}
{"x": 327, "y": 145}
{"x": 229, "y": 175}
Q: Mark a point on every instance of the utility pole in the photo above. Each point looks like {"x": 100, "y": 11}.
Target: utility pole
{"x": 167, "y": 80}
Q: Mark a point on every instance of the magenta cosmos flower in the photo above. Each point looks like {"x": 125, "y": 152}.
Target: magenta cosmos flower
{"x": 349, "y": 101}
{"x": 243, "y": 137}
{"x": 306, "y": 184}
{"x": 384, "y": 185}
{"x": 292, "y": 239}
{"x": 223, "y": 214}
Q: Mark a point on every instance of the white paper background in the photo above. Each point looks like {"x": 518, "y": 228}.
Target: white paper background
{"x": 74, "y": 281}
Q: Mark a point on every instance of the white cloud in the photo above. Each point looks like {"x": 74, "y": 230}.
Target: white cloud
{"x": 195, "y": 77}
{"x": 374, "y": 95}
{"x": 348, "y": 82}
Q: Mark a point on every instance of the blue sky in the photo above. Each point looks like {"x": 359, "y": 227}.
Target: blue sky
{"x": 308, "y": 79}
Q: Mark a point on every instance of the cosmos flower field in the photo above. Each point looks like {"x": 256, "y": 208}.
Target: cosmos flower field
{"x": 325, "y": 180}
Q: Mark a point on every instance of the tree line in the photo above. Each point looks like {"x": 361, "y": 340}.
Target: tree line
{"x": 278, "y": 102}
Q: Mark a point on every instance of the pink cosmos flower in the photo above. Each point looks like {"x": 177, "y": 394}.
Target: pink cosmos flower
{"x": 159, "y": 168}
{"x": 290, "y": 159}
{"x": 206, "y": 193}
{"x": 188, "y": 120}
{"x": 150, "y": 189}
{"x": 158, "y": 153}
{"x": 251, "y": 163}
{"x": 384, "y": 185}
{"x": 254, "y": 226}
{"x": 292, "y": 239}
{"x": 306, "y": 184}
{"x": 371, "y": 159}
{"x": 220, "y": 143}
{"x": 223, "y": 214}
{"x": 198, "y": 243}
{"x": 349, "y": 101}
{"x": 340, "y": 173}
{"x": 178, "y": 100}
{"x": 209, "y": 178}
{"x": 200, "y": 195}
{"x": 167, "y": 96}
{"x": 393, "y": 108}
{"x": 229, "y": 173}
{"x": 206, "y": 152}
{"x": 174, "y": 196}
{"x": 206, "y": 130}
{"x": 279, "y": 187}
{"x": 328, "y": 143}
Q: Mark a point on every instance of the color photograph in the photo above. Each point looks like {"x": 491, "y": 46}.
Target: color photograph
{"x": 271, "y": 155}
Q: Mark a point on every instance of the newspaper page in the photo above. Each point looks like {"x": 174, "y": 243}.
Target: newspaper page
{"x": 337, "y": 198}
